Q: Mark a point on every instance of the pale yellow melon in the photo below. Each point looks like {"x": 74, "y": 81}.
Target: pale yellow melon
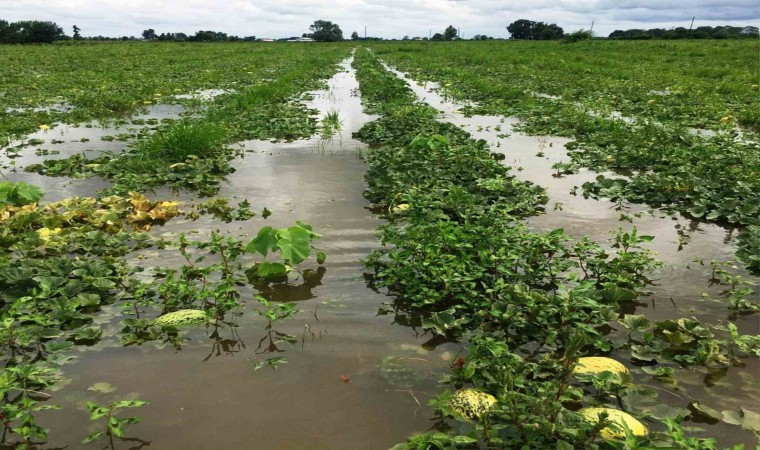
{"x": 599, "y": 364}
{"x": 618, "y": 417}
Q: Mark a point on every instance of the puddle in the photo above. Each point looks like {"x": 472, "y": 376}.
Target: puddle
{"x": 91, "y": 139}
{"x": 208, "y": 395}
{"x": 678, "y": 289}
{"x": 204, "y": 94}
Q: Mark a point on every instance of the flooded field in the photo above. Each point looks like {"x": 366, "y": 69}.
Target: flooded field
{"x": 359, "y": 365}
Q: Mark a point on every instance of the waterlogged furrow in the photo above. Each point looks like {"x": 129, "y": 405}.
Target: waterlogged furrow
{"x": 195, "y": 152}
{"x": 710, "y": 177}
{"x": 44, "y": 85}
{"x": 462, "y": 264}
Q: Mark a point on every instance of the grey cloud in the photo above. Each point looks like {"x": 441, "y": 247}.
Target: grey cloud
{"x": 386, "y": 18}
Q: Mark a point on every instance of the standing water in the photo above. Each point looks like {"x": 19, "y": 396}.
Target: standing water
{"x": 352, "y": 380}
{"x": 680, "y": 243}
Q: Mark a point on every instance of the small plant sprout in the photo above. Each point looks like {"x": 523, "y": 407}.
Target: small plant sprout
{"x": 114, "y": 426}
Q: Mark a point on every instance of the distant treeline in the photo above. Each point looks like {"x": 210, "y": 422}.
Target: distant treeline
{"x": 30, "y": 32}
{"x": 38, "y": 32}
{"x": 720, "y": 32}
{"x": 199, "y": 36}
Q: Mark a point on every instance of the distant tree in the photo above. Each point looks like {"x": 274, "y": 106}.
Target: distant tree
{"x": 30, "y": 32}
{"x": 354, "y": 36}
{"x": 437, "y": 37}
{"x": 149, "y": 34}
{"x": 405, "y": 38}
{"x": 326, "y": 31}
{"x": 77, "y": 36}
{"x": 528, "y": 29}
{"x": 521, "y": 29}
{"x": 703, "y": 32}
{"x": 5, "y": 32}
{"x": 208, "y": 36}
{"x": 450, "y": 33}
{"x": 546, "y": 32}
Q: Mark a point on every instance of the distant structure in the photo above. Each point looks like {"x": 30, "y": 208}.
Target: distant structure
{"x": 266, "y": 40}
{"x": 301, "y": 39}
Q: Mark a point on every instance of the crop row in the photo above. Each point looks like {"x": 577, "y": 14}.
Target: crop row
{"x": 461, "y": 264}
{"x": 195, "y": 152}
{"x": 630, "y": 108}
{"x": 44, "y": 85}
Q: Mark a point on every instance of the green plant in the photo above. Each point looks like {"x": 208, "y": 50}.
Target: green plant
{"x": 114, "y": 426}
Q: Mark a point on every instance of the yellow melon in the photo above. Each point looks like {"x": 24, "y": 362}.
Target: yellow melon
{"x": 472, "y": 404}
{"x": 617, "y": 417}
{"x": 598, "y": 364}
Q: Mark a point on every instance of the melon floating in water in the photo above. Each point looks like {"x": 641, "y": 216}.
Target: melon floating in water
{"x": 598, "y": 364}
{"x": 182, "y": 317}
{"x": 471, "y": 404}
{"x": 618, "y": 417}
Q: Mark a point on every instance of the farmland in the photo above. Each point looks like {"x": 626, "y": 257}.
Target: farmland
{"x": 409, "y": 244}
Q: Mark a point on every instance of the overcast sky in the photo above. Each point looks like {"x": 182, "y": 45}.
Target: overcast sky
{"x": 383, "y": 18}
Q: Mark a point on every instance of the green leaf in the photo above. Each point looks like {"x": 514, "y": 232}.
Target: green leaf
{"x": 615, "y": 294}
{"x": 294, "y": 244}
{"x": 129, "y": 404}
{"x": 270, "y": 270}
{"x": 636, "y": 322}
{"x": 27, "y": 193}
{"x": 271, "y": 363}
{"x": 265, "y": 240}
{"x": 93, "y": 437}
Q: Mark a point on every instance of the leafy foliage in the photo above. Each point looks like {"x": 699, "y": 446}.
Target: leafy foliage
{"x": 461, "y": 265}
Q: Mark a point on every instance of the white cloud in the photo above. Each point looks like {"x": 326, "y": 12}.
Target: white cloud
{"x": 385, "y": 18}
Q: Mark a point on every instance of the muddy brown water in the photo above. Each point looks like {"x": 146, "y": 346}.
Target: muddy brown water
{"x": 208, "y": 395}
{"x": 678, "y": 286}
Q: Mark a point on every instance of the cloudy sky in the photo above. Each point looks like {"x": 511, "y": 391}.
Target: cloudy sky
{"x": 384, "y": 18}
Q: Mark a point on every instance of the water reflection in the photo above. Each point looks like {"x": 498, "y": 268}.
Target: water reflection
{"x": 289, "y": 292}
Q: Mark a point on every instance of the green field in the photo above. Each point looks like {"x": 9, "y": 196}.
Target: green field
{"x": 591, "y": 200}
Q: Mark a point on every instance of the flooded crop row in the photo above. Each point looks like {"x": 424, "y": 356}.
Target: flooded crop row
{"x": 370, "y": 264}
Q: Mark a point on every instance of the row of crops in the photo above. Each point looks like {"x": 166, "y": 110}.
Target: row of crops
{"x": 535, "y": 308}
{"x": 136, "y": 249}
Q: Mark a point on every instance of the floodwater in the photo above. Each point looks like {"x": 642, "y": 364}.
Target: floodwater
{"x": 353, "y": 379}
{"x": 679, "y": 242}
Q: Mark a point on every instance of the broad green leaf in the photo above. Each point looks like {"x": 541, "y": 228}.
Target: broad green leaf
{"x": 27, "y": 193}
{"x": 615, "y": 294}
{"x": 271, "y": 269}
{"x": 636, "y": 322}
{"x": 294, "y": 244}
{"x": 265, "y": 240}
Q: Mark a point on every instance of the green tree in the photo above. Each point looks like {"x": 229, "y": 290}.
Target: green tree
{"x": 354, "y": 36}
{"x": 326, "y": 31}
{"x": 149, "y": 34}
{"x": 450, "y": 33}
{"x": 528, "y": 29}
{"x": 77, "y": 36}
